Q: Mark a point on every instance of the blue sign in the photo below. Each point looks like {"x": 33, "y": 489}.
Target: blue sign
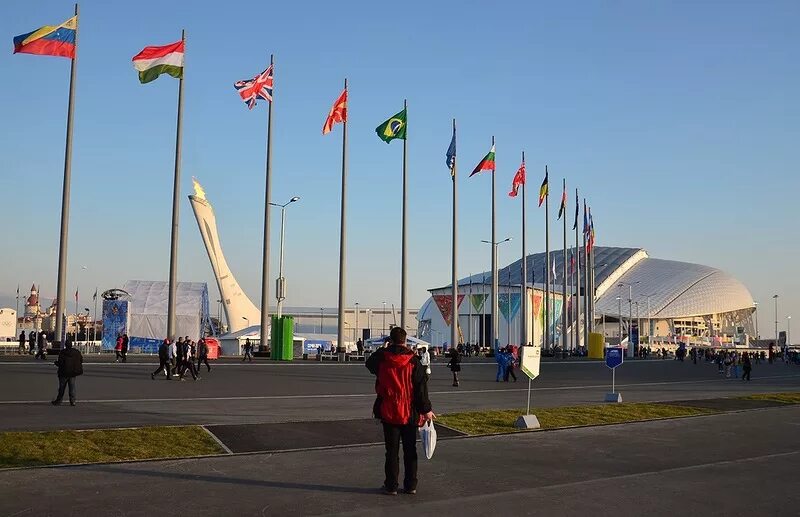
{"x": 614, "y": 357}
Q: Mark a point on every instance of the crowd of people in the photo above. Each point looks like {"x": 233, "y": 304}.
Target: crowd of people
{"x": 37, "y": 344}
{"x": 177, "y": 357}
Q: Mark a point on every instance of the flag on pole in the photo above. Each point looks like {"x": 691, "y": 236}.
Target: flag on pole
{"x": 563, "y": 207}
{"x": 49, "y": 40}
{"x": 590, "y": 244}
{"x": 487, "y": 164}
{"x": 94, "y": 297}
{"x": 577, "y": 209}
{"x": 76, "y": 295}
{"x": 259, "y": 87}
{"x": 338, "y": 113}
{"x": 151, "y": 62}
{"x": 543, "y": 190}
{"x": 17, "y": 289}
{"x": 571, "y": 262}
{"x": 553, "y": 270}
{"x": 393, "y": 128}
{"x": 585, "y": 220}
{"x": 450, "y": 157}
{"x": 519, "y": 180}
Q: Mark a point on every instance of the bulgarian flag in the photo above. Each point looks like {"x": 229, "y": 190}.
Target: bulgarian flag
{"x": 151, "y": 62}
{"x": 487, "y": 164}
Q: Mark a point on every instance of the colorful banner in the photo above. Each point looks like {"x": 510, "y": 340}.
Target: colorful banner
{"x": 445, "y": 304}
{"x": 478, "y": 300}
{"x": 509, "y": 305}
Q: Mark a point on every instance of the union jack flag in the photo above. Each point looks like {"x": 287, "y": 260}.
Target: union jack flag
{"x": 259, "y": 87}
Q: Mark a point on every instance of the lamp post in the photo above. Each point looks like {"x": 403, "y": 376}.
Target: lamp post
{"x": 369, "y": 321}
{"x": 788, "y": 332}
{"x": 280, "y": 283}
{"x": 321, "y": 314}
{"x": 495, "y": 245}
{"x": 755, "y": 314}
{"x": 357, "y": 321}
{"x": 383, "y": 331}
{"x": 775, "y": 297}
{"x": 619, "y": 317}
{"x": 630, "y": 303}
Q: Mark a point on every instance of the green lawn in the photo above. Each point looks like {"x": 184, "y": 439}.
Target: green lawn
{"x": 28, "y": 449}
{"x": 502, "y": 421}
{"x": 785, "y": 398}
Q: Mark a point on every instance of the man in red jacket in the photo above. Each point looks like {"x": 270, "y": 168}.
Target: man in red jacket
{"x": 402, "y": 405}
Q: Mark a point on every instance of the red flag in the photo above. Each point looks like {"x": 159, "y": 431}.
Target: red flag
{"x": 563, "y": 207}
{"x": 519, "y": 180}
{"x": 338, "y": 113}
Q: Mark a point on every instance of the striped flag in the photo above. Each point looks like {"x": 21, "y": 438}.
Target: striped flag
{"x": 151, "y": 62}
{"x": 338, "y": 113}
{"x": 563, "y": 207}
{"x": 544, "y": 189}
{"x": 49, "y": 40}
{"x": 259, "y": 87}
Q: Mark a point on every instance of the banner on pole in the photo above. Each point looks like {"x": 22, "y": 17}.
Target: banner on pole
{"x": 478, "y": 300}
{"x": 509, "y": 305}
{"x": 445, "y": 304}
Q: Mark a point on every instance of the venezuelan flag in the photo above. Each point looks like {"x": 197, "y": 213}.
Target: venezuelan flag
{"x": 49, "y": 40}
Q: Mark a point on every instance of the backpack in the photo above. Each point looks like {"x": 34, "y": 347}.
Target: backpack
{"x": 394, "y": 388}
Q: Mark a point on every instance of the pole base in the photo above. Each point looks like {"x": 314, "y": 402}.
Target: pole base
{"x": 613, "y": 397}
{"x": 527, "y": 422}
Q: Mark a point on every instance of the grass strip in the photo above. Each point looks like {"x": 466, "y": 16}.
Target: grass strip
{"x": 783, "y": 398}
{"x": 32, "y": 449}
{"x": 502, "y": 421}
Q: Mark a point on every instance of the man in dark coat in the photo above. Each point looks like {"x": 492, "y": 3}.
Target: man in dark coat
{"x": 163, "y": 360}
{"x": 32, "y": 341}
{"x": 70, "y": 365}
{"x": 22, "y": 342}
{"x": 391, "y": 364}
{"x": 202, "y": 354}
{"x": 41, "y": 345}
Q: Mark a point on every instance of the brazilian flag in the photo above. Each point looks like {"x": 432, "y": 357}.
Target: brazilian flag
{"x": 393, "y": 128}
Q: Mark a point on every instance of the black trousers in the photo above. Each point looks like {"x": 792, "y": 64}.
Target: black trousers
{"x": 163, "y": 365}
{"x": 188, "y": 365}
{"x": 746, "y": 374}
{"x": 510, "y": 371}
{"x": 203, "y": 359}
{"x": 62, "y": 385}
{"x": 393, "y": 435}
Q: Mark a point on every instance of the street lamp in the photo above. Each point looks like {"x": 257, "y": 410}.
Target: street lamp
{"x": 788, "y": 332}
{"x": 775, "y": 297}
{"x": 357, "y": 321}
{"x": 384, "y": 318}
{"x": 495, "y": 245}
{"x": 280, "y": 283}
{"x": 630, "y": 303}
{"x": 321, "y": 313}
{"x": 755, "y": 314}
{"x": 619, "y": 317}
{"x": 247, "y": 320}
{"x": 369, "y": 321}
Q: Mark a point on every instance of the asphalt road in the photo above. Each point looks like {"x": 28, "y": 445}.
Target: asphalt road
{"x": 730, "y": 464}
{"x": 123, "y": 395}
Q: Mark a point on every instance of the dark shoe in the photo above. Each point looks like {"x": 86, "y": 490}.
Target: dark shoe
{"x": 389, "y": 491}
{"x": 55, "y": 402}
{"x": 153, "y": 376}
{"x": 71, "y": 402}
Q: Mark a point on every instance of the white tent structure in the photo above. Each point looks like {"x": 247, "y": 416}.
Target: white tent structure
{"x": 147, "y": 313}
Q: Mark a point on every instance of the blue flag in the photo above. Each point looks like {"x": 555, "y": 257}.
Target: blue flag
{"x": 451, "y": 154}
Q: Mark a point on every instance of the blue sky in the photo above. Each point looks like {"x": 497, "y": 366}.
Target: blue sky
{"x": 678, "y": 121}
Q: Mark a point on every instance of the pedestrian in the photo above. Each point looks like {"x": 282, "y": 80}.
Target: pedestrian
{"x": 118, "y": 348}
{"x": 70, "y": 365}
{"x": 501, "y": 365}
{"x": 178, "y": 356}
{"x": 248, "y": 351}
{"x": 360, "y": 347}
{"x": 41, "y": 344}
{"x": 402, "y": 404}
{"x": 509, "y": 361}
{"x": 747, "y": 366}
{"x": 455, "y": 364}
{"x": 727, "y": 362}
{"x": 771, "y": 354}
{"x": 21, "y": 343}
{"x": 31, "y": 341}
{"x": 173, "y": 357}
{"x": 125, "y": 343}
{"x": 188, "y": 360}
{"x": 735, "y": 365}
{"x": 425, "y": 360}
{"x": 202, "y": 354}
{"x": 163, "y": 360}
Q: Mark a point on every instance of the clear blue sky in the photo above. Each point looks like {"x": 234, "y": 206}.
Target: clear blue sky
{"x": 678, "y": 120}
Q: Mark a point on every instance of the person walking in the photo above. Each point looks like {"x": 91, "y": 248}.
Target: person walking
{"x": 178, "y": 357}
{"x": 248, "y": 351}
{"x": 501, "y": 365}
{"x": 188, "y": 361}
{"x": 118, "y": 348}
{"x": 455, "y": 364}
{"x": 22, "y": 343}
{"x": 509, "y": 361}
{"x": 735, "y": 365}
{"x": 31, "y": 341}
{"x": 425, "y": 360}
{"x": 747, "y": 367}
{"x": 70, "y": 365}
{"x": 41, "y": 346}
{"x": 202, "y": 354}
{"x": 163, "y": 360}
{"x": 173, "y": 357}
{"x": 402, "y": 404}
{"x": 125, "y": 343}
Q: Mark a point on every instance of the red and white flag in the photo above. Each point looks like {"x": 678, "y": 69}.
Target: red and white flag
{"x": 259, "y": 87}
{"x": 338, "y": 113}
{"x": 519, "y": 180}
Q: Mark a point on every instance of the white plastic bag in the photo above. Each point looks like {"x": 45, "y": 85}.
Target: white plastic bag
{"x": 428, "y": 434}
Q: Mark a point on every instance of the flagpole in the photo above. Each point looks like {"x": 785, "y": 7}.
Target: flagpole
{"x": 585, "y": 284}
{"x": 524, "y": 322}
{"x": 454, "y": 316}
{"x": 564, "y": 276}
{"x": 469, "y": 308}
{"x": 61, "y": 289}
{"x": 547, "y": 261}
{"x": 176, "y": 188}
{"x": 494, "y": 261}
{"x": 94, "y": 324}
{"x": 343, "y": 239}
{"x": 265, "y": 322}
{"x": 577, "y": 323}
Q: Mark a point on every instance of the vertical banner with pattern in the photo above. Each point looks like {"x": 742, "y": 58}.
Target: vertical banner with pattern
{"x": 478, "y": 300}
{"x": 509, "y": 305}
{"x": 445, "y": 304}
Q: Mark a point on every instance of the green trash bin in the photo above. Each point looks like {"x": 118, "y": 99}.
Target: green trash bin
{"x": 282, "y": 338}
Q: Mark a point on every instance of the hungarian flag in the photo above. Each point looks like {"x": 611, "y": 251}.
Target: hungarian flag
{"x": 487, "y": 164}
{"x": 543, "y": 190}
{"x": 519, "y": 180}
{"x": 393, "y": 128}
{"x": 49, "y": 40}
{"x": 151, "y": 62}
{"x": 563, "y": 207}
{"x": 338, "y": 113}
